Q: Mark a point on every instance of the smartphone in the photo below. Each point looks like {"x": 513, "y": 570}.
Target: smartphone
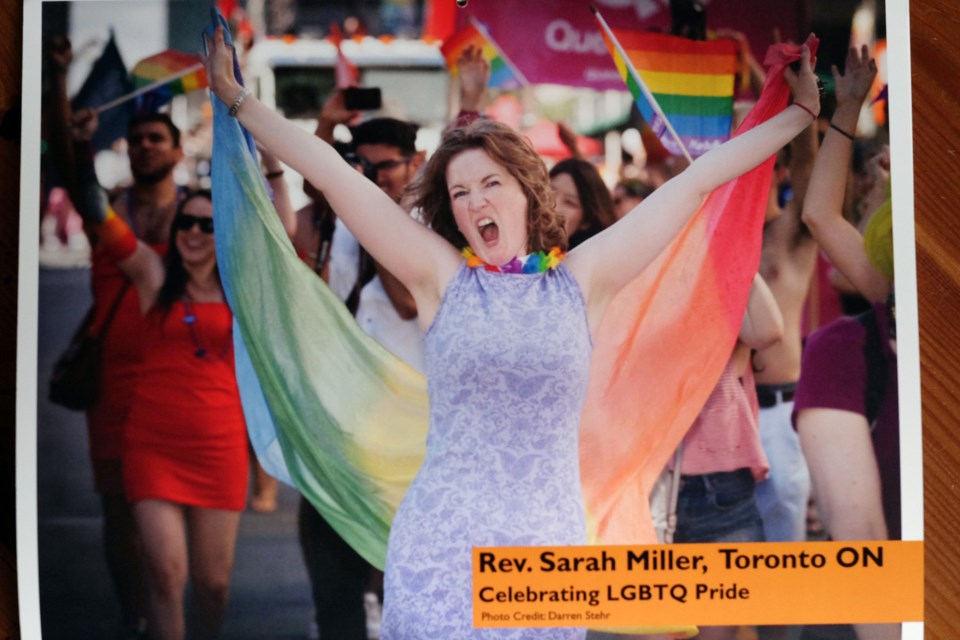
{"x": 362, "y": 98}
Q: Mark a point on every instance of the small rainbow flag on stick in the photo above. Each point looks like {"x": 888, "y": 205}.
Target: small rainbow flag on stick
{"x": 683, "y": 88}
{"x": 503, "y": 73}
{"x": 168, "y": 73}
{"x": 160, "y": 77}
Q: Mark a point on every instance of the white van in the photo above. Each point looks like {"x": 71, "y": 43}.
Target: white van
{"x": 296, "y": 76}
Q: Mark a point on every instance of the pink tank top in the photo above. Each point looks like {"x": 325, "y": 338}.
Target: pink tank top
{"x": 725, "y": 436}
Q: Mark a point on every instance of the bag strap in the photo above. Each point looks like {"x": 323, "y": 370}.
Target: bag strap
{"x": 366, "y": 271}
{"x": 325, "y": 223}
{"x": 876, "y": 363}
{"x": 113, "y": 310}
{"x": 674, "y": 496}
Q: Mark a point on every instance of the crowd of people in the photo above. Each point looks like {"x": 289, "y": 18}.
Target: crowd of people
{"x": 448, "y": 263}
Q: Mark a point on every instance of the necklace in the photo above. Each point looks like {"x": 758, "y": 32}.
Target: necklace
{"x": 532, "y": 263}
{"x": 200, "y": 351}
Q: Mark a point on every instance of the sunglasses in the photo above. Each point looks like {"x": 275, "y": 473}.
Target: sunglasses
{"x": 372, "y": 170}
{"x": 185, "y": 222}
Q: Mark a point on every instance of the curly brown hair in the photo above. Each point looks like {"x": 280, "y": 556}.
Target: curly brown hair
{"x": 509, "y": 149}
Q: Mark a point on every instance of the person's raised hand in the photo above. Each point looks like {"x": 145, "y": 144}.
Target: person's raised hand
{"x": 270, "y": 162}
{"x": 59, "y": 53}
{"x": 877, "y": 167}
{"x": 84, "y": 124}
{"x": 219, "y": 63}
{"x": 334, "y": 110}
{"x": 857, "y": 78}
{"x": 803, "y": 83}
{"x": 474, "y": 72}
{"x": 736, "y": 36}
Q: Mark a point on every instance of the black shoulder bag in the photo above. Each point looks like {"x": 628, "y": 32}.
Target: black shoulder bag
{"x": 75, "y": 381}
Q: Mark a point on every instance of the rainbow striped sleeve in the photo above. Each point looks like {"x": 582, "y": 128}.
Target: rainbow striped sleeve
{"x": 116, "y": 237}
{"x": 692, "y": 81}
{"x": 502, "y": 74}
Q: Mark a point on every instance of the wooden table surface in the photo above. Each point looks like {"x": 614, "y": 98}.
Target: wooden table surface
{"x": 935, "y": 30}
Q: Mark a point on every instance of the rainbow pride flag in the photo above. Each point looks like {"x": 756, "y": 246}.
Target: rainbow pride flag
{"x": 503, "y": 73}
{"x": 691, "y": 81}
{"x": 170, "y": 73}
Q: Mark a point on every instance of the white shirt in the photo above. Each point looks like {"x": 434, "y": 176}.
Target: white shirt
{"x": 376, "y": 315}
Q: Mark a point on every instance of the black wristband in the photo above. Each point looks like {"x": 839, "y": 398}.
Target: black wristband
{"x": 842, "y": 132}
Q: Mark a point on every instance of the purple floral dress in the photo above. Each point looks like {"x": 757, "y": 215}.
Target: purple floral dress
{"x": 507, "y": 363}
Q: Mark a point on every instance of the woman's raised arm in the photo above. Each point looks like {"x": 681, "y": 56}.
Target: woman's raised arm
{"x": 418, "y": 257}
{"x": 633, "y": 242}
{"x": 823, "y": 206}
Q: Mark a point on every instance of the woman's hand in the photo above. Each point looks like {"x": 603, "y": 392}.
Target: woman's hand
{"x": 474, "y": 73}
{"x": 219, "y": 63}
{"x": 803, "y": 84}
{"x": 857, "y": 78}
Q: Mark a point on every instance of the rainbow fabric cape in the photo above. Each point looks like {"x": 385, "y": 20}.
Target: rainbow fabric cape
{"x": 332, "y": 412}
{"x": 667, "y": 336}
{"x": 692, "y": 81}
{"x": 175, "y": 73}
{"x": 503, "y": 74}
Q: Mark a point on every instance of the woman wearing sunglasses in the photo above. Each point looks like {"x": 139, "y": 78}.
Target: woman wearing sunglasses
{"x": 185, "y": 452}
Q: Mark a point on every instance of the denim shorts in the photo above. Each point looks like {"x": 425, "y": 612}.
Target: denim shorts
{"x": 718, "y": 507}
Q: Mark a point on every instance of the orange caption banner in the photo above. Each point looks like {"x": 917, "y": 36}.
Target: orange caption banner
{"x": 698, "y": 584}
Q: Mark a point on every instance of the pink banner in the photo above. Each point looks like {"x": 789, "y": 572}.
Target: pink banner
{"x": 560, "y": 42}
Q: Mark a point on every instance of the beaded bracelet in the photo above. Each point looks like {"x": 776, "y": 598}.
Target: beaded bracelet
{"x": 237, "y": 102}
{"x": 807, "y": 109}
{"x": 841, "y": 132}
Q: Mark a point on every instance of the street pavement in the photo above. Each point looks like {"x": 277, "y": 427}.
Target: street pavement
{"x": 270, "y": 593}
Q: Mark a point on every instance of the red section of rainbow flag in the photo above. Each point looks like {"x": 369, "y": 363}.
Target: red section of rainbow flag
{"x": 666, "y": 338}
{"x": 503, "y": 75}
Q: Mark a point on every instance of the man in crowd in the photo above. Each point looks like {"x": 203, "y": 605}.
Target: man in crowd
{"x": 384, "y": 149}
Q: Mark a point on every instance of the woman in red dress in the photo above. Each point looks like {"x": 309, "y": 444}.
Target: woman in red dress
{"x": 185, "y": 454}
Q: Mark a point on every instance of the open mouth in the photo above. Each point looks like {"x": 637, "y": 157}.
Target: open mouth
{"x": 489, "y": 231}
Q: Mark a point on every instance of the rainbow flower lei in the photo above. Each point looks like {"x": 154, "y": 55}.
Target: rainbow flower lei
{"x": 532, "y": 263}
